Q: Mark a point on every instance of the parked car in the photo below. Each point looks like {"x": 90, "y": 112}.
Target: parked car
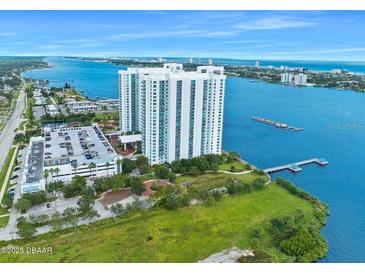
{"x": 14, "y": 177}
{"x": 17, "y": 168}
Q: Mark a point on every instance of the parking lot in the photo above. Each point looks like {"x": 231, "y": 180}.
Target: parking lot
{"x": 17, "y": 174}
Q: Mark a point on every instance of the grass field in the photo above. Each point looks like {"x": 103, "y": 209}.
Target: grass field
{"x": 238, "y": 165}
{"x": 4, "y": 221}
{"x": 3, "y": 211}
{"x": 209, "y": 180}
{"x": 185, "y": 235}
{"x": 6, "y": 166}
{"x": 107, "y": 116}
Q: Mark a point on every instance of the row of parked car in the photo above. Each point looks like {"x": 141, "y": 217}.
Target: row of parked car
{"x": 11, "y": 190}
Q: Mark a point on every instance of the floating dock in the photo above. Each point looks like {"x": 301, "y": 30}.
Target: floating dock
{"x": 296, "y": 167}
{"x": 276, "y": 124}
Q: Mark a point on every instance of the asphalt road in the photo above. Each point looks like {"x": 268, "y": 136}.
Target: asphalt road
{"x": 7, "y": 135}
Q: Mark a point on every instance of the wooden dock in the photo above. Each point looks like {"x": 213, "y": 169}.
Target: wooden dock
{"x": 296, "y": 167}
{"x": 276, "y": 124}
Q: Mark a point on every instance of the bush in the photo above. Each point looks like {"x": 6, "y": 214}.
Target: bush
{"x": 137, "y": 185}
{"x": 254, "y": 242}
{"x": 55, "y": 186}
{"x": 113, "y": 183}
{"x": 23, "y": 205}
{"x": 76, "y": 187}
{"x": 257, "y": 232}
{"x": 36, "y": 198}
{"x": 172, "y": 198}
{"x": 161, "y": 171}
{"x": 258, "y": 183}
{"x": 305, "y": 246}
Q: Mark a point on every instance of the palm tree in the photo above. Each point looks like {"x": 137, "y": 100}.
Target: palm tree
{"x": 57, "y": 170}
{"x": 46, "y": 174}
{"x": 74, "y": 165}
{"x": 51, "y": 171}
{"x": 107, "y": 168}
{"x": 91, "y": 166}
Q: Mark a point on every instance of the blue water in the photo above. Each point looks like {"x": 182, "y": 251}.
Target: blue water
{"x": 334, "y": 128}
{"x": 93, "y": 79}
{"x": 351, "y": 66}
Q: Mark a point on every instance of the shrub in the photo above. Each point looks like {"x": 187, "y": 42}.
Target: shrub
{"x": 258, "y": 183}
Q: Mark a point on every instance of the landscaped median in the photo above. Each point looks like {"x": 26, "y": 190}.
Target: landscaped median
{"x": 261, "y": 219}
{"x": 6, "y": 166}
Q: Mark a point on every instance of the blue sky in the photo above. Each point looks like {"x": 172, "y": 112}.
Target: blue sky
{"x": 296, "y": 35}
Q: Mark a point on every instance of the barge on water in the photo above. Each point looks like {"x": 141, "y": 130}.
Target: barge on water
{"x": 276, "y": 124}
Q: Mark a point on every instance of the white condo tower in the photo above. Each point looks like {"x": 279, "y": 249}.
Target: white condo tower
{"x": 178, "y": 113}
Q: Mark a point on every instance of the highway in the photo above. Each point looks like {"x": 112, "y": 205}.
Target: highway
{"x": 7, "y": 135}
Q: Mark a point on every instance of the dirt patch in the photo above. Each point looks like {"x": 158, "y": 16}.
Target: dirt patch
{"x": 115, "y": 197}
{"x": 228, "y": 256}
{"x": 149, "y": 183}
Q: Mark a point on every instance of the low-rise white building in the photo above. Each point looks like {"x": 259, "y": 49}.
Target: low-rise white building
{"x": 93, "y": 106}
{"x": 65, "y": 153}
{"x": 32, "y": 179}
{"x": 52, "y": 110}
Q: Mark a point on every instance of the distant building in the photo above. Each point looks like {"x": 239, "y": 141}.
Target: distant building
{"x": 81, "y": 107}
{"x": 257, "y": 64}
{"x": 210, "y": 62}
{"x": 287, "y": 78}
{"x": 336, "y": 71}
{"x": 190, "y": 60}
{"x": 179, "y": 114}
{"x": 52, "y": 110}
{"x": 300, "y": 79}
{"x": 39, "y": 100}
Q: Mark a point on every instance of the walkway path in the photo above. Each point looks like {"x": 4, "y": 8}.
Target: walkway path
{"x": 237, "y": 173}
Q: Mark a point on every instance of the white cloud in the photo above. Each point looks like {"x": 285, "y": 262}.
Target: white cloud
{"x": 321, "y": 51}
{"x": 270, "y": 23}
{"x": 171, "y": 33}
{"x": 8, "y": 34}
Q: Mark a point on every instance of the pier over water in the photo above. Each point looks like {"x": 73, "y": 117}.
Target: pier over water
{"x": 276, "y": 124}
{"x": 296, "y": 167}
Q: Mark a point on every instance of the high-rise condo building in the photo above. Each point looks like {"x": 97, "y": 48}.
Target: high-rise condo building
{"x": 287, "y": 77}
{"x": 179, "y": 114}
{"x": 300, "y": 79}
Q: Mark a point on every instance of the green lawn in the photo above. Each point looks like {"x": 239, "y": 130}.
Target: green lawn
{"x": 209, "y": 180}
{"x": 6, "y": 166}
{"x": 4, "y": 221}
{"x": 238, "y": 165}
{"x": 3, "y": 211}
{"x": 107, "y": 116}
{"x": 185, "y": 235}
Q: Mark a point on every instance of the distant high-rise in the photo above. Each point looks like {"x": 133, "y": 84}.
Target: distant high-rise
{"x": 210, "y": 62}
{"x": 190, "y": 61}
{"x": 287, "y": 77}
{"x": 179, "y": 114}
{"x": 300, "y": 79}
{"x": 257, "y": 64}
